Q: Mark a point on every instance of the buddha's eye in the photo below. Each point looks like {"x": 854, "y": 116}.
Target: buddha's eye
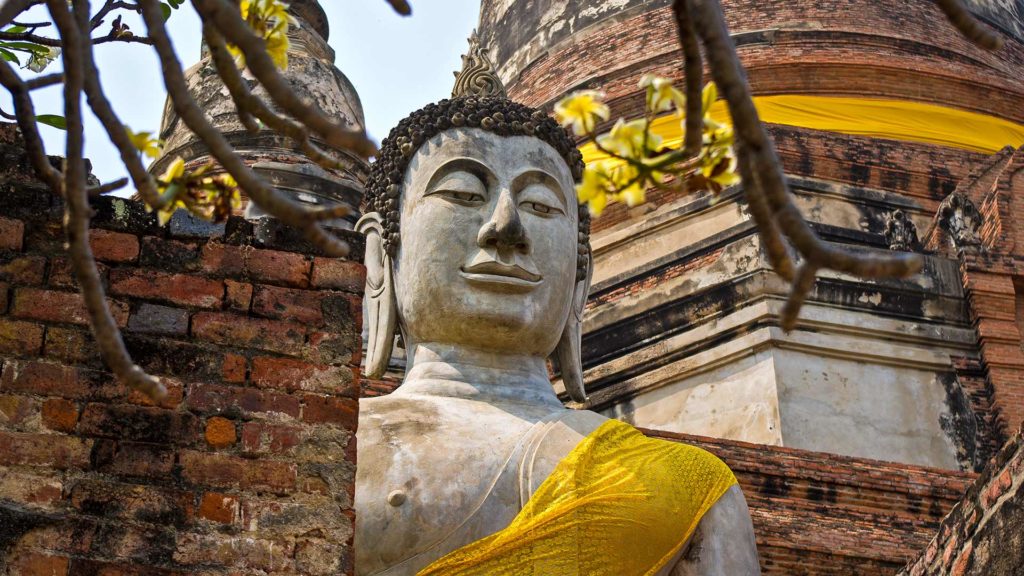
{"x": 462, "y": 197}
{"x": 460, "y": 187}
{"x": 539, "y": 208}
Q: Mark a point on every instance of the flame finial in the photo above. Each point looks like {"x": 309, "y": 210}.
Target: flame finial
{"x": 478, "y": 77}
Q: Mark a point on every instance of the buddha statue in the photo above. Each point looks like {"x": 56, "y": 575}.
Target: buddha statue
{"x": 477, "y": 255}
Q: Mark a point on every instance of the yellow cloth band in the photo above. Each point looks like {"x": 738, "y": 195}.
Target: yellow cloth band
{"x": 619, "y": 504}
{"x": 890, "y": 119}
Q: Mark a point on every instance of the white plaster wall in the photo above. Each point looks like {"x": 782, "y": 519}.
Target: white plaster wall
{"x": 736, "y": 401}
{"x": 858, "y": 408}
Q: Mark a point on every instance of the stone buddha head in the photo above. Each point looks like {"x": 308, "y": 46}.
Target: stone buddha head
{"x": 475, "y": 237}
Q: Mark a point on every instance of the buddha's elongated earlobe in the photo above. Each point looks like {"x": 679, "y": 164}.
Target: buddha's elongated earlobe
{"x": 381, "y": 306}
{"x": 568, "y": 349}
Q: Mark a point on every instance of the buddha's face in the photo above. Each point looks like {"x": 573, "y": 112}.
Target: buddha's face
{"x": 487, "y": 257}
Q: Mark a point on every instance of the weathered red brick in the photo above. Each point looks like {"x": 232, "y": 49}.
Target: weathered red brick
{"x": 70, "y": 345}
{"x": 31, "y": 563}
{"x": 224, "y": 260}
{"x": 268, "y": 438}
{"x": 12, "y": 234}
{"x": 17, "y": 410}
{"x": 62, "y": 276}
{"x": 23, "y": 270}
{"x": 169, "y": 255}
{"x": 238, "y": 296}
{"x": 20, "y": 338}
{"x": 217, "y": 399}
{"x": 279, "y": 267}
{"x": 289, "y": 304}
{"x": 221, "y": 470}
{"x": 342, "y": 412}
{"x": 234, "y": 367}
{"x": 48, "y": 379}
{"x": 144, "y": 461}
{"x": 339, "y": 274}
{"x": 219, "y": 508}
{"x": 290, "y": 374}
{"x": 999, "y": 485}
{"x": 58, "y": 306}
{"x": 220, "y": 432}
{"x": 43, "y": 488}
{"x": 49, "y": 450}
{"x": 60, "y": 414}
{"x": 131, "y": 501}
{"x": 240, "y": 331}
{"x": 181, "y": 289}
{"x": 113, "y": 246}
{"x": 139, "y": 423}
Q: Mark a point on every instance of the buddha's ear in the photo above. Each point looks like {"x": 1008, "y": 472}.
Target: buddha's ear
{"x": 568, "y": 349}
{"x": 381, "y": 305}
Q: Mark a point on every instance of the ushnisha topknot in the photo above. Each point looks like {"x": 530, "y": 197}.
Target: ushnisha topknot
{"x": 498, "y": 115}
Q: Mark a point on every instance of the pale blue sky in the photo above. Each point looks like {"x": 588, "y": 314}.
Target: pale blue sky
{"x": 396, "y": 63}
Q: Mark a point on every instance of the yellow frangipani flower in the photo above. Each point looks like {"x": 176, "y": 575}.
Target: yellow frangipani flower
{"x": 145, "y": 142}
{"x": 270, "y": 20}
{"x": 174, "y": 171}
{"x": 630, "y": 139}
{"x": 708, "y": 97}
{"x": 581, "y": 110}
{"x": 661, "y": 94}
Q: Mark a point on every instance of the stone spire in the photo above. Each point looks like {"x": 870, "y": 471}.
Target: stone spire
{"x": 477, "y": 77}
{"x": 312, "y": 74}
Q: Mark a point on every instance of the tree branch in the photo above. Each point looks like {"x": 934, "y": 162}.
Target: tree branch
{"x": 282, "y": 207}
{"x": 108, "y": 337}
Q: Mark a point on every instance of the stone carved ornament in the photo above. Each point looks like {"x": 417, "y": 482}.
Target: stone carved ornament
{"x": 477, "y": 77}
{"x": 900, "y": 232}
{"x": 960, "y": 219}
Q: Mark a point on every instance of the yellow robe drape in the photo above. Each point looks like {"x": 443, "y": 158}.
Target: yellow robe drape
{"x": 902, "y": 120}
{"x": 619, "y": 504}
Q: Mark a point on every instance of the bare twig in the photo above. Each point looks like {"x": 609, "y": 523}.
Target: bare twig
{"x": 401, "y": 6}
{"x": 693, "y": 70}
{"x": 108, "y": 337}
{"x": 117, "y": 132}
{"x": 108, "y": 187}
{"x": 282, "y": 207}
{"x": 11, "y": 9}
{"x": 969, "y": 26}
{"x": 248, "y": 104}
{"x": 44, "y": 81}
{"x": 802, "y": 286}
{"x": 228, "y": 72}
{"x": 228, "y": 21}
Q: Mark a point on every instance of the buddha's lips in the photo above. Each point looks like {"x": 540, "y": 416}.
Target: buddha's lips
{"x": 499, "y": 269}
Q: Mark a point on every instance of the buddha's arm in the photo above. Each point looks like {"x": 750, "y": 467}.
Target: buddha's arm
{"x": 723, "y": 543}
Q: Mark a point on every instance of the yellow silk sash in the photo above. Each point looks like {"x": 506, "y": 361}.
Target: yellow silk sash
{"x": 619, "y": 504}
{"x": 875, "y": 117}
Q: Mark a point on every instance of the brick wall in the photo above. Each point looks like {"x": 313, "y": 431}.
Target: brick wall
{"x": 984, "y": 534}
{"x": 823, "y": 514}
{"x": 247, "y": 467}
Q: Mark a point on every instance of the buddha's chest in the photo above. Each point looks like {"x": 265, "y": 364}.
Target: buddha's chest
{"x": 429, "y": 482}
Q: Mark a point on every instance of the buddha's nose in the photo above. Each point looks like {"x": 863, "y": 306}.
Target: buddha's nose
{"x": 504, "y": 231}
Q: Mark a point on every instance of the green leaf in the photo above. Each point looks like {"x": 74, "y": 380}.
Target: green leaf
{"x": 166, "y": 10}
{"x": 15, "y": 30}
{"x": 26, "y": 47}
{"x": 53, "y": 120}
{"x": 9, "y": 56}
